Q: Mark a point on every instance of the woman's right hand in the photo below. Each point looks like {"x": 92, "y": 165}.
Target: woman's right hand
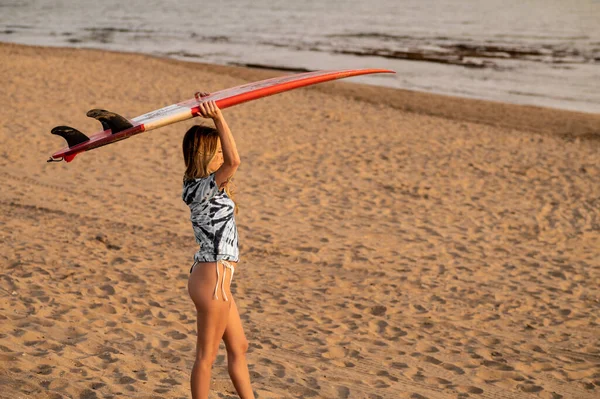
{"x": 200, "y": 94}
{"x": 209, "y": 109}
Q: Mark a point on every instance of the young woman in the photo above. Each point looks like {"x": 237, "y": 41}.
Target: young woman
{"x": 211, "y": 159}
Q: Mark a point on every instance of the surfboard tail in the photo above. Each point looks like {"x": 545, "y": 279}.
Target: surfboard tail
{"x": 71, "y": 135}
{"x": 66, "y": 158}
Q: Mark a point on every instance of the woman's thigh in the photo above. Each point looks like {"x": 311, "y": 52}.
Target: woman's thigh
{"x": 213, "y": 314}
{"x": 234, "y": 337}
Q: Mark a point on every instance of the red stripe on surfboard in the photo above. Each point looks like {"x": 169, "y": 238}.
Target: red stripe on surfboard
{"x": 236, "y": 99}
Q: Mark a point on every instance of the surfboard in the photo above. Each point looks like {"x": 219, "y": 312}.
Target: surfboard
{"x": 116, "y": 128}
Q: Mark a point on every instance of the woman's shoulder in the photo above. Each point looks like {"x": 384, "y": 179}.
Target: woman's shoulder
{"x": 199, "y": 188}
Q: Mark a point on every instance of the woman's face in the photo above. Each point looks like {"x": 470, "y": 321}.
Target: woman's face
{"x": 217, "y": 160}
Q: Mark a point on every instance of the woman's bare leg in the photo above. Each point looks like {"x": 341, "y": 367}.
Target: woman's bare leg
{"x": 212, "y": 321}
{"x": 237, "y": 346}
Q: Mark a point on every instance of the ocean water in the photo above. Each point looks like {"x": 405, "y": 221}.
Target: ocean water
{"x": 540, "y": 52}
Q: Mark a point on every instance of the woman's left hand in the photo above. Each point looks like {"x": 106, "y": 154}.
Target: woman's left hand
{"x": 201, "y": 94}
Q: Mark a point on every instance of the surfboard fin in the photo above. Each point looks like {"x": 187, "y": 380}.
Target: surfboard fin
{"x": 115, "y": 122}
{"x": 73, "y": 136}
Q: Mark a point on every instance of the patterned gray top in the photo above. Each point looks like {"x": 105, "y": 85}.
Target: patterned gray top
{"x": 212, "y": 216}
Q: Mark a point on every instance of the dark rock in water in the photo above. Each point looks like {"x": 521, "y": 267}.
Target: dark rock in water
{"x": 419, "y": 55}
{"x": 490, "y": 51}
{"x": 271, "y": 67}
{"x": 182, "y": 53}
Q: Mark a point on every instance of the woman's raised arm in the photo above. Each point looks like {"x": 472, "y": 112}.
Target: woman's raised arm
{"x": 231, "y": 158}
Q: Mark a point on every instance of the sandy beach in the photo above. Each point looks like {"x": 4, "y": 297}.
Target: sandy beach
{"x": 393, "y": 244}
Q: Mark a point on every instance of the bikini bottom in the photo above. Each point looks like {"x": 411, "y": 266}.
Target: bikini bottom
{"x": 226, "y": 265}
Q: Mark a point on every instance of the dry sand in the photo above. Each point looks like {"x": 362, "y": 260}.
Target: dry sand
{"x": 393, "y": 244}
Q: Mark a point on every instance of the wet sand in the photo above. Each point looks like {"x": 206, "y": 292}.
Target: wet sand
{"x": 393, "y": 244}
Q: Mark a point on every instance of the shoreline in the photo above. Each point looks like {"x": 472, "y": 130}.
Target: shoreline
{"x": 566, "y": 123}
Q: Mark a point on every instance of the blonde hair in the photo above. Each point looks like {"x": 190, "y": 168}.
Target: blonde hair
{"x": 199, "y": 148}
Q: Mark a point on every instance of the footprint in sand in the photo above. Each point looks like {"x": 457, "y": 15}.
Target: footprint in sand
{"x": 126, "y": 380}
{"x": 44, "y": 369}
{"x": 88, "y": 394}
{"x": 453, "y": 368}
{"x": 497, "y": 365}
{"x": 280, "y": 370}
{"x": 343, "y": 392}
{"x": 97, "y": 385}
{"x": 399, "y": 366}
{"x": 176, "y": 335}
{"x": 466, "y": 389}
{"x": 141, "y": 375}
{"x": 424, "y": 347}
{"x": 170, "y": 381}
{"x": 530, "y": 388}
{"x": 437, "y": 381}
{"x": 383, "y": 373}
{"x": 432, "y": 360}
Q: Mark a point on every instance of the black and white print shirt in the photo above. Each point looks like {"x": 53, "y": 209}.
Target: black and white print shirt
{"x": 212, "y": 216}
